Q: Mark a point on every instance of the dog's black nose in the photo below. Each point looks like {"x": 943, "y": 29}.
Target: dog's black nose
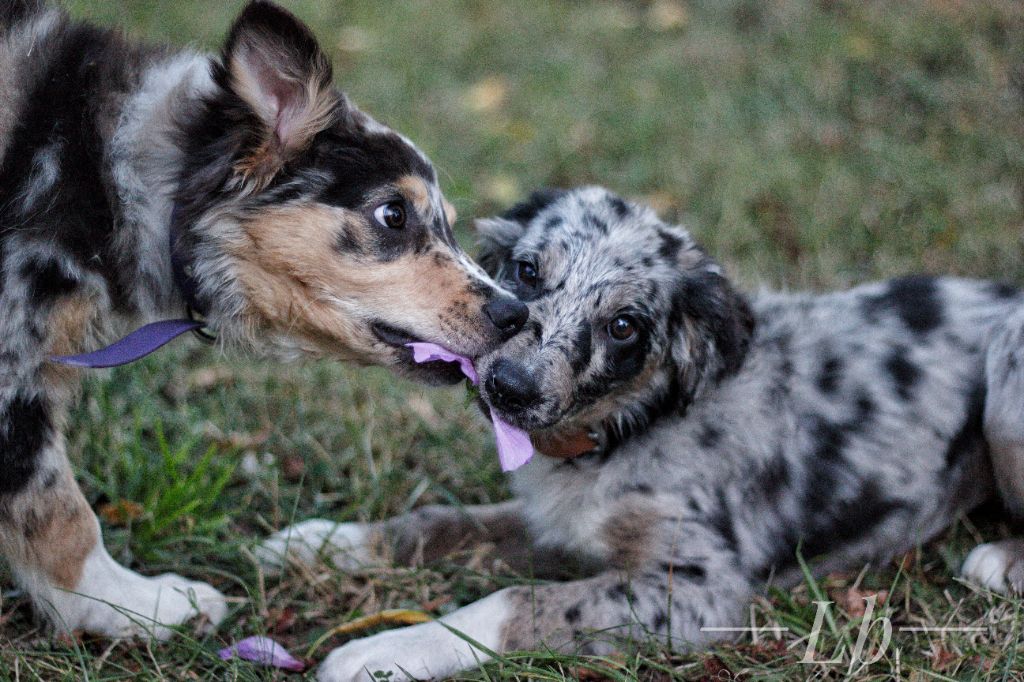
{"x": 510, "y": 386}
{"x": 507, "y": 314}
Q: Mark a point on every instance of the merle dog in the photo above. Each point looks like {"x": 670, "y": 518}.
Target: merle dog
{"x": 300, "y": 227}
{"x": 696, "y": 437}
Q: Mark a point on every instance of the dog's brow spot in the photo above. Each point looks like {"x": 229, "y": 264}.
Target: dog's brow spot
{"x": 416, "y": 191}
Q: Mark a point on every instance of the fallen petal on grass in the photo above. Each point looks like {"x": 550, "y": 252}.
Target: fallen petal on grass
{"x": 264, "y": 650}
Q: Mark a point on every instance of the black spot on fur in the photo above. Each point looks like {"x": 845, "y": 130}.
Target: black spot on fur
{"x": 844, "y": 519}
{"x": 905, "y": 374}
{"x": 581, "y": 348}
{"x": 47, "y": 282}
{"x": 865, "y": 407}
{"x": 774, "y": 479}
{"x": 915, "y": 300}
{"x": 670, "y": 245}
{"x": 829, "y": 440}
{"x": 595, "y": 224}
{"x": 831, "y": 375}
{"x": 620, "y": 207}
{"x": 720, "y": 518}
{"x": 572, "y": 614}
{"x": 621, "y": 592}
{"x": 526, "y": 211}
{"x": 1002, "y": 290}
{"x": 660, "y": 620}
{"x": 693, "y": 573}
{"x": 709, "y": 436}
{"x": 25, "y": 428}
{"x": 970, "y": 437}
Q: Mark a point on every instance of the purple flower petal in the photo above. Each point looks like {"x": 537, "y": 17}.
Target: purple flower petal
{"x": 514, "y": 446}
{"x": 263, "y": 650}
{"x": 423, "y": 351}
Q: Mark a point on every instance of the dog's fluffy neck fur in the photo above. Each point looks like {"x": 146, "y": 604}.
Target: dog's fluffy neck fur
{"x": 147, "y": 161}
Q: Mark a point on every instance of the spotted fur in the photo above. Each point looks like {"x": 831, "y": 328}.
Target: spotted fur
{"x": 271, "y": 182}
{"x": 733, "y": 430}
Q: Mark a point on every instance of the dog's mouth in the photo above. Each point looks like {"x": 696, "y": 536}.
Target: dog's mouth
{"x": 437, "y": 372}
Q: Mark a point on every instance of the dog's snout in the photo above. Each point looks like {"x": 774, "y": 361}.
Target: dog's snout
{"x": 507, "y": 314}
{"x": 511, "y": 387}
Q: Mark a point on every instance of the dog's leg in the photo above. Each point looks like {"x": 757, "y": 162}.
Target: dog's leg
{"x": 51, "y": 539}
{"x": 50, "y": 536}
{"x": 671, "y": 603}
{"x": 1000, "y": 565}
{"x": 426, "y": 535}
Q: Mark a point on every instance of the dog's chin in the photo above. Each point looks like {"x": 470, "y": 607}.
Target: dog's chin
{"x": 435, "y": 373}
{"x": 524, "y": 420}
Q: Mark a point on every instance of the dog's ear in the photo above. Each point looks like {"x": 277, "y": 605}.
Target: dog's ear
{"x": 276, "y": 68}
{"x": 497, "y": 236}
{"x": 712, "y": 325}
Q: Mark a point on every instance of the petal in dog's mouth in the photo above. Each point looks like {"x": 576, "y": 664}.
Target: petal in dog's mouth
{"x": 514, "y": 446}
{"x": 431, "y": 372}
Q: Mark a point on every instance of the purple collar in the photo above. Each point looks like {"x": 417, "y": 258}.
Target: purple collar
{"x": 155, "y": 335}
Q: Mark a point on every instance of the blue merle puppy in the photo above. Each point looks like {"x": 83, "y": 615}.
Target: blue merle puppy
{"x": 299, "y": 226}
{"x": 691, "y": 437}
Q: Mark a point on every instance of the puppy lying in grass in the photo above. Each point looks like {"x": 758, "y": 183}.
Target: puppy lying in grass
{"x": 694, "y": 438}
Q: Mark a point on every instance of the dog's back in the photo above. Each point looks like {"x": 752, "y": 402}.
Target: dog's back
{"x": 63, "y": 85}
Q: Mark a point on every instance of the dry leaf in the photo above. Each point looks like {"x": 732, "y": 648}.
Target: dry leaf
{"x": 852, "y": 600}
{"x": 942, "y": 658}
{"x": 121, "y": 513}
{"x": 293, "y": 468}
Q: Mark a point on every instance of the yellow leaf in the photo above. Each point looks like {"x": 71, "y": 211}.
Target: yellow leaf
{"x": 392, "y": 617}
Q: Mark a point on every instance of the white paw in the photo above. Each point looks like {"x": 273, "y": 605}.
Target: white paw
{"x": 424, "y": 651}
{"x": 112, "y": 601}
{"x": 996, "y": 565}
{"x": 346, "y": 545}
{"x": 415, "y": 652}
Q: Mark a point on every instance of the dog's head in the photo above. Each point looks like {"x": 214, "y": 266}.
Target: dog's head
{"x": 310, "y": 228}
{"x": 629, "y": 317}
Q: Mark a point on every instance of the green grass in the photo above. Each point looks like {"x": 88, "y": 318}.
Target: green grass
{"x": 808, "y": 144}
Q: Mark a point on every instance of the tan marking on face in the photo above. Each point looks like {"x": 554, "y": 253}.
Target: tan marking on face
{"x": 449, "y": 212}
{"x": 416, "y": 191}
{"x": 299, "y": 283}
{"x": 628, "y": 532}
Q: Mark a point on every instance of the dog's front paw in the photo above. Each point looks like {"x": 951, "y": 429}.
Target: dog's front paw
{"x": 345, "y": 545}
{"x": 418, "y": 652}
{"x": 115, "y": 602}
{"x": 424, "y": 651}
{"x": 999, "y": 566}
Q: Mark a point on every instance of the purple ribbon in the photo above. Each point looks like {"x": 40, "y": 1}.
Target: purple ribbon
{"x": 138, "y": 344}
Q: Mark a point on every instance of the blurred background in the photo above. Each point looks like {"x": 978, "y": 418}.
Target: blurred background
{"x": 808, "y": 144}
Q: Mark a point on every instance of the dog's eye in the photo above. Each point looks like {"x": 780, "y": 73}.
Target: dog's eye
{"x": 526, "y": 274}
{"x": 390, "y": 215}
{"x": 622, "y": 328}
